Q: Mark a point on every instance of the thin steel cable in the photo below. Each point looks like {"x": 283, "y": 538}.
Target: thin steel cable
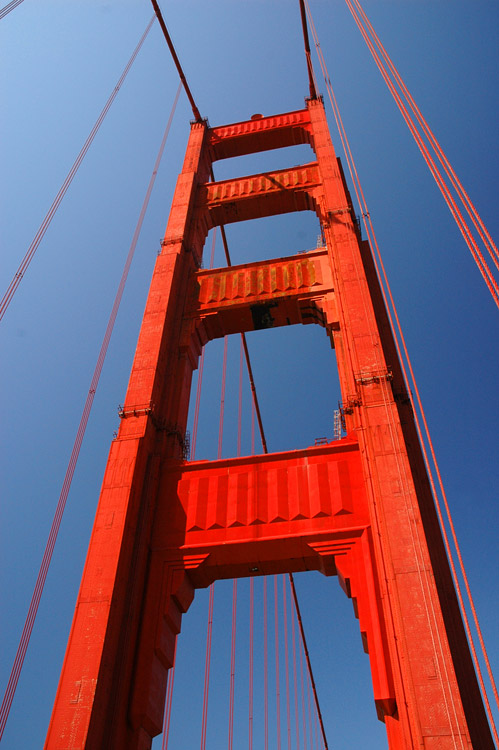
{"x": 251, "y": 662}
{"x": 277, "y": 675}
{"x": 265, "y": 666}
{"x": 47, "y": 556}
{"x": 310, "y": 722}
{"x": 195, "y": 422}
{"x": 480, "y": 261}
{"x": 168, "y": 702}
{"x": 10, "y": 6}
{"x": 456, "y": 182}
{"x": 232, "y": 664}
{"x": 23, "y": 267}
{"x": 295, "y": 683}
{"x": 304, "y": 713}
{"x": 240, "y": 401}
{"x": 209, "y": 631}
{"x": 200, "y": 371}
{"x": 307, "y": 656}
{"x": 252, "y": 428}
{"x": 286, "y": 652}
{"x": 222, "y": 399}
{"x": 245, "y": 345}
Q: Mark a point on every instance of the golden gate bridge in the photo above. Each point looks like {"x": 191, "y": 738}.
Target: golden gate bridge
{"x": 88, "y": 311}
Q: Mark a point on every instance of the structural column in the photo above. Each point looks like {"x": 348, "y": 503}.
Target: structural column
{"x": 427, "y": 646}
{"x": 91, "y": 706}
{"x": 361, "y": 509}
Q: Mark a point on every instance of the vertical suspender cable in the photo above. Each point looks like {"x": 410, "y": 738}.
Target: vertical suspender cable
{"x": 196, "y": 408}
{"x": 204, "y": 722}
{"x": 265, "y": 666}
{"x": 240, "y": 401}
{"x": 307, "y": 657}
{"x": 304, "y": 714}
{"x": 168, "y": 702}
{"x": 212, "y": 587}
{"x": 23, "y": 267}
{"x": 309, "y": 703}
{"x": 251, "y": 662}
{"x": 222, "y": 399}
{"x": 295, "y": 683}
{"x": 200, "y": 371}
{"x": 245, "y": 347}
{"x": 286, "y": 651}
{"x": 232, "y": 664}
{"x": 47, "y": 556}
{"x": 277, "y": 681}
{"x": 252, "y": 428}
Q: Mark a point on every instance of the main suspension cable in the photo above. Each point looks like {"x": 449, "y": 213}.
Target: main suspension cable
{"x": 23, "y": 267}
{"x": 169, "y": 42}
{"x": 47, "y": 556}
{"x": 310, "y": 69}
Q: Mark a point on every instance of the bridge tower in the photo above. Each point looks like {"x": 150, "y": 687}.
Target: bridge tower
{"x": 359, "y": 508}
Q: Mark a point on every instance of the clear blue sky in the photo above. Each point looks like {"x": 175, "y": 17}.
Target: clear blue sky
{"x": 60, "y": 62}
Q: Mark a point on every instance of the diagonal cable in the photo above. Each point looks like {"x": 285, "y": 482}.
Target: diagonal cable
{"x": 10, "y": 6}
{"x": 23, "y": 267}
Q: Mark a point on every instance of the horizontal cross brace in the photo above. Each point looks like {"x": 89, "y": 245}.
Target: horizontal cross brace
{"x": 286, "y": 291}
{"x": 259, "y": 195}
{"x": 315, "y": 489}
{"x": 260, "y": 134}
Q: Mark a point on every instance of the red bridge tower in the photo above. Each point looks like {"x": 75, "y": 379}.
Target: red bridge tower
{"x": 359, "y": 508}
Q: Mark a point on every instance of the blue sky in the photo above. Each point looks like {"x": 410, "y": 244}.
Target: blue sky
{"x": 60, "y": 62}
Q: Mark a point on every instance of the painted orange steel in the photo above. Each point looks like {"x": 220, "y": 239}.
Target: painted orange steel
{"x": 359, "y": 508}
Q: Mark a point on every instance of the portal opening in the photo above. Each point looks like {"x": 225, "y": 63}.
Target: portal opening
{"x": 297, "y": 386}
